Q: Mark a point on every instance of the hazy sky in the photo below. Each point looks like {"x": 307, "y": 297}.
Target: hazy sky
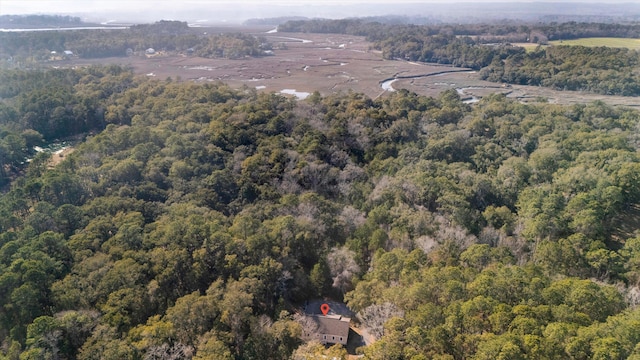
{"x": 81, "y": 6}
{"x": 230, "y": 11}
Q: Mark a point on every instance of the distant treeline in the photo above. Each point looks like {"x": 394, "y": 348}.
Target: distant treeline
{"x": 574, "y": 30}
{"x": 486, "y": 33}
{"x": 385, "y": 19}
{"x": 602, "y": 70}
{"x": 20, "y": 21}
{"x": 274, "y": 20}
{"x": 163, "y": 35}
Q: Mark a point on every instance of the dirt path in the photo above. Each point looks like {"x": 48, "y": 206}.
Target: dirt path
{"x": 58, "y": 156}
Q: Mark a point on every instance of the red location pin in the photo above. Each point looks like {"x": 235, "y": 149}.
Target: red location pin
{"x": 325, "y": 309}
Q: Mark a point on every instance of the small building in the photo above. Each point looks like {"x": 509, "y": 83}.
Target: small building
{"x": 68, "y": 53}
{"x": 150, "y": 51}
{"x": 54, "y": 56}
{"x": 329, "y": 329}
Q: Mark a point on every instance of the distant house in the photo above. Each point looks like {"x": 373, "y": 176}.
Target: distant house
{"x": 55, "y": 56}
{"x": 68, "y": 52}
{"x": 150, "y": 51}
{"x": 328, "y": 329}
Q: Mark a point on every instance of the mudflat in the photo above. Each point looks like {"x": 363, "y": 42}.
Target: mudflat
{"x": 333, "y": 63}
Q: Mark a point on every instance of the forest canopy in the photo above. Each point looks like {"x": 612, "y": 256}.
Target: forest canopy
{"x": 195, "y": 220}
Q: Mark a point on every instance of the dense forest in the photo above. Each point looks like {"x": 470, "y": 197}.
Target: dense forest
{"x": 601, "y": 70}
{"x": 195, "y": 220}
{"x": 376, "y": 28}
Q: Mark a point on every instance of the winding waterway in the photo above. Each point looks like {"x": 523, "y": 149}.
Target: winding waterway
{"x": 387, "y": 84}
{"x": 67, "y": 28}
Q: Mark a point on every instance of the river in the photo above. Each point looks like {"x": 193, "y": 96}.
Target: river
{"x": 304, "y": 41}
{"x": 467, "y": 99}
{"x": 387, "y": 84}
{"x": 68, "y": 28}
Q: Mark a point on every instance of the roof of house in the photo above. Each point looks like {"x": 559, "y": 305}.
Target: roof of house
{"x": 332, "y": 324}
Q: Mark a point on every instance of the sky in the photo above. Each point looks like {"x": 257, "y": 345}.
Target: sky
{"x": 101, "y": 10}
{"x": 66, "y": 6}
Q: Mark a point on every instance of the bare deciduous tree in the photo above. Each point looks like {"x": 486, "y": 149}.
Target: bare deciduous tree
{"x": 374, "y": 317}
{"x": 446, "y": 231}
{"x": 309, "y": 326}
{"x": 352, "y": 218}
{"x": 343, "y": 267}
{"x": 165, "y": 351}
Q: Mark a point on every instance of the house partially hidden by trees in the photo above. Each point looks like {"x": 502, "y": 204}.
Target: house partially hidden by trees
{"x": 328, "y": 329}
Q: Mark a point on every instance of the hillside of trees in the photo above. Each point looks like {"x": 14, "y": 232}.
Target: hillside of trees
{"x": 195, "y": 220}
{"x": 39, "y": 107}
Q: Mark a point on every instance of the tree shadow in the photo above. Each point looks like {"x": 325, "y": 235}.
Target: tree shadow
{"x": 355, "y": 341}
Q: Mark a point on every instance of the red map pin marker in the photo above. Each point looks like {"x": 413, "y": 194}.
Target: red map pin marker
{"x": 325, "y": 309}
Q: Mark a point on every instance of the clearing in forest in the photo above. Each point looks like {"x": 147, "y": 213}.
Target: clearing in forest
{"x": 633, "y": 44}
{"x": 529, "y": 47}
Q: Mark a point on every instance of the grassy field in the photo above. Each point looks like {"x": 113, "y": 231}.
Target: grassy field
{"x": 529, "y": 47}
{"x": 610, "y": 42}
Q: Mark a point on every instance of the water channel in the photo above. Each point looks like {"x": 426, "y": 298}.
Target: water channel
{"x": 387, "y": 85}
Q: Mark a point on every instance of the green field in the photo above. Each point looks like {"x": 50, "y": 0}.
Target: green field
{"x": 529, "y": 47}
{"x": 598, "y": 41}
